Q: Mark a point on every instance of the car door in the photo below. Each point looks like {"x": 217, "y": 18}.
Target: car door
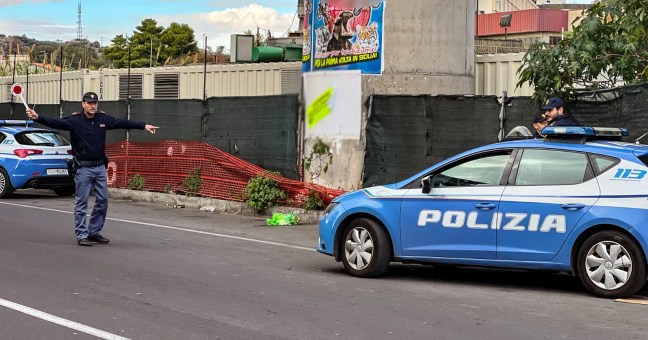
{"x": 549, "y": 191}
{"x": 454, "y": 219}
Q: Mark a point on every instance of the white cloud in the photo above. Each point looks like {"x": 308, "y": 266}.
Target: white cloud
{"x": 5, "y": 3}
{"x": 219, "y": 25}
{"x": 35, "y": 29}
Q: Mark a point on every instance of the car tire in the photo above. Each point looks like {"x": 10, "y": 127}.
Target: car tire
{"x": 6, "y": 190}
{"x": 611, "y": 265}
{"x": 65, "y": 191}
{"x": 365, "y": 248}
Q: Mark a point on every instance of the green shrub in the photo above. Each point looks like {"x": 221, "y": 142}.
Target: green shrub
{"x": 263, "y": 192}
{"x": 136, "y": 183}
{"x": 313, "y": 201}
{"x": 168, "y": 188}
{"x": 192, "y": 183}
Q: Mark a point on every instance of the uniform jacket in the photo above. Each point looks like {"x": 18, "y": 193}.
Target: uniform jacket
{"x": 88, "y": 135}
{"x": 563, "y": 120}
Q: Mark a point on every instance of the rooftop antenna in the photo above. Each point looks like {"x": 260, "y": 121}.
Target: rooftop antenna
{"x": 79, "y": 29}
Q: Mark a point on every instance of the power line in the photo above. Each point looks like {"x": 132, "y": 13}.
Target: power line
{"x": 291, "y": 23}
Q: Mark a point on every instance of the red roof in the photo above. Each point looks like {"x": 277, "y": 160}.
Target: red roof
{"x": 530, "y": 20}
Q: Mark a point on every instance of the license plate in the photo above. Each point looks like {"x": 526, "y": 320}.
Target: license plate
{"x": 57, "y": 172}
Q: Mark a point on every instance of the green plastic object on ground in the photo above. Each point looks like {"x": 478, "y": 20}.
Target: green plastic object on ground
{"x": 282, "y": 219}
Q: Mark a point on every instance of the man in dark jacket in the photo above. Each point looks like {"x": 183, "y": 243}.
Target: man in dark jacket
{"x": 555, "y": 113}
{"x": 539, "y": 123}
{"x": 88, "y": 139}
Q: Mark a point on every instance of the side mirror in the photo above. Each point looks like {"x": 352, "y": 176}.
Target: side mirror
{"x": 426, "y": 183}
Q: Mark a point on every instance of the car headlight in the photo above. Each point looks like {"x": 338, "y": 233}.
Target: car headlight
{"x": 330, "y": 208}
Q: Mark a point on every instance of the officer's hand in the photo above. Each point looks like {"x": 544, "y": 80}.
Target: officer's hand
{"x": 32, "y": 114}
{"x": 150, "y": 128}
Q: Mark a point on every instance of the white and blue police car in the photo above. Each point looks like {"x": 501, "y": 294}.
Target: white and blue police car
{"x": 575, "y": 201}
{"x": 33, "y": 158}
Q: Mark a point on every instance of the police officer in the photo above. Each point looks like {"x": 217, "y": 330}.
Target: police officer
{"x": 555, "y": 113}
{"x": 88, "y": 138}
{"x": 539, "y": 123}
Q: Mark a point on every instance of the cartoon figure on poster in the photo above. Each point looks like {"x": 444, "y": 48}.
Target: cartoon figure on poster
{"x": 348, "y": 38}
{"x": 308, "y": 46}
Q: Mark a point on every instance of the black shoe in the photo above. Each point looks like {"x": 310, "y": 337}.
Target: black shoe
{"x": 98, "y": 239}
{"x": 84, "y": 242}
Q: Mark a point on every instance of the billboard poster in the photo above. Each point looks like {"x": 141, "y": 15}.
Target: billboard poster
{"x": 346, "y": 38}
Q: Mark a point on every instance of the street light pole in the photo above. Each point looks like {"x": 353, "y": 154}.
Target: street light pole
{"x": 151, "y": 55}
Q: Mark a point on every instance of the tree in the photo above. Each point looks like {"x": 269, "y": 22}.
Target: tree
{"x": 151, "y": 43}
{"x": 608, "y": 48}
{"x": 118, "y": 51}
{"x": 178, "y": 40}
{"x": 145, "y": 40}
{"x": 80, "y": 54}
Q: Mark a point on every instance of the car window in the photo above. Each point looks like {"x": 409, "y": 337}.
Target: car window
{"x": 44, "y": 138}
{"x": 551, "y": 167}
{"x": 2, "y": 137}
{"x": 603, "y": 163}
{"x": 644, "y": 159}
{"x": 485, "y": 170}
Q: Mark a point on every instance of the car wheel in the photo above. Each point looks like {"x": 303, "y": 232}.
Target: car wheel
{"x": 611, "y": 265}
{"x": 6, "y": 189}
{"x": 366, "y": 250}
{"x": 65, "y": 191}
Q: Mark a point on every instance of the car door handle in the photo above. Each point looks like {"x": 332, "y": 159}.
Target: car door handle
{"x": 573, "y": 206}
{"x": 485, "y": 206}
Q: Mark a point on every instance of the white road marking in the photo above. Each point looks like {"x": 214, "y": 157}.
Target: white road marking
{"x": 174, "y": 228}
{"x": 96, "y": 332}
{"x": 60, "y": 321}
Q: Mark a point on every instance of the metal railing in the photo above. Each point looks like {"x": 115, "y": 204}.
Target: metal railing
{"x": 497, "y": 46}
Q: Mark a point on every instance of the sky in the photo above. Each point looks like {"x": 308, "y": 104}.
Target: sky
{"x": 101, "y": 21}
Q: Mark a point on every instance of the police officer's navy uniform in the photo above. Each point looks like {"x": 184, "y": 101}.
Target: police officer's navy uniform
{"x": 88, "y": 139}
{"x": 562, "y": 120}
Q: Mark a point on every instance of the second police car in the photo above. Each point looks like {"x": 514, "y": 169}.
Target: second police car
{"x": 33, "y": 158}
{"x": 575, "y": 204}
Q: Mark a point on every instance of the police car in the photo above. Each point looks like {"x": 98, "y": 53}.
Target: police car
{"x": 576, "y": 201}
{"x": 33, "y": 158}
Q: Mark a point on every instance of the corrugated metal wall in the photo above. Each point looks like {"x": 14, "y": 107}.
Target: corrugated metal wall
{"x": 495, "y": 73}
{"x": 223, "y": 80}
{"x": 531, "y": 20}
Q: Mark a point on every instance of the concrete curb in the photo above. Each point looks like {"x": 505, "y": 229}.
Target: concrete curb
{"x": 211, "y": 204}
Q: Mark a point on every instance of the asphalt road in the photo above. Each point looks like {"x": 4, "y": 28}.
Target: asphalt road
{"x": 184, "y": 274}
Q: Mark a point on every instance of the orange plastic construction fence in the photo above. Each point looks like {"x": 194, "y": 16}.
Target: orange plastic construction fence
{"x": 165, "y": 166}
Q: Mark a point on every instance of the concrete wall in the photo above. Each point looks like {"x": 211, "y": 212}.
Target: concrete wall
{"x": 429, "y": 49}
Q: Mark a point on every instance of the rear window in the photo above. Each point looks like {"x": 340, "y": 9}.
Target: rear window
{"x": 604, "y": 163}
{"x": 42, "y": 138}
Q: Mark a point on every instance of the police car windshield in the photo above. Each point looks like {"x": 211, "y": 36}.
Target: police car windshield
{"x": 43, "y": 138}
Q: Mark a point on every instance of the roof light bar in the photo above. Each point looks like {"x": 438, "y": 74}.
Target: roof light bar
{"x": 15, "y": 122}
{"x": 584, "y": 131}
